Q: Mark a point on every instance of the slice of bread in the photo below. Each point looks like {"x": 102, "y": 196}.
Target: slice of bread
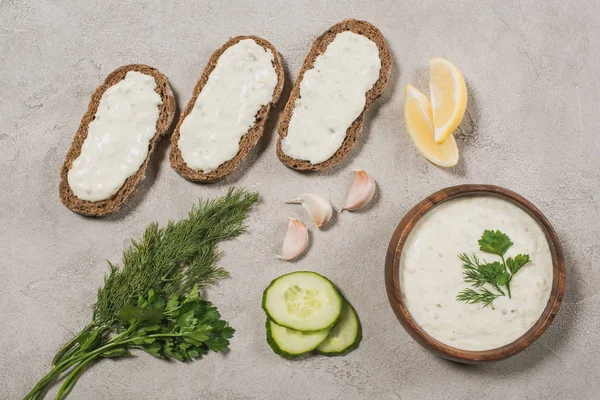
{"x": 166, "y": 116}
{"x": 319, "y": 46}
{"x": 248, "y": 141}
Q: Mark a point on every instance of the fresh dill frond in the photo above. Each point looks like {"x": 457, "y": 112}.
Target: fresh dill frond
{"x": 483, "y": 296}
{"x": 471, "y": 273}
{"x": 175, "y": 258}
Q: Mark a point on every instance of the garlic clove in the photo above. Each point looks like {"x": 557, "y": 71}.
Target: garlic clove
{"x": 317, "y": 206}
{"x": 296, "y": 239}
{"x": 361, "y": 192}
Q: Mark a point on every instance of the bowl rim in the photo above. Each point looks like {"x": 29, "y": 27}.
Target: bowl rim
{"x": 394, "y": 291}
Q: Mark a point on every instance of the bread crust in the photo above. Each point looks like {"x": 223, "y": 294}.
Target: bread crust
{"x": 167, "y": 112}
{"x": 248, "y": 141}
{"x": 319, "y": 46}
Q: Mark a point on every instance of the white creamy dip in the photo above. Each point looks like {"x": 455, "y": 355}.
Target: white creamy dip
{"x": 431, "y": 273}
{"x": 242, "y": 82}
{"x": 332, "y": 96}
{"x": 118, "y": 138}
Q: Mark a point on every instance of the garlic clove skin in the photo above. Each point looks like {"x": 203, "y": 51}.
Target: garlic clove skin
{"x": 361, "y": 192}
{"x": 296, "y": 239}
{"x": 317, "y": 206}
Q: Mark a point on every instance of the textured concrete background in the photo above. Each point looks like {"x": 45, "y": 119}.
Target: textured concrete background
{"x": 532, "y": 73}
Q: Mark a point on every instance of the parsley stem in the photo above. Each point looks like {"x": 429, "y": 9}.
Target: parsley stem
{"x": 49, "y": 377}
{"x": 68, "y": 384}
{"x": 75, "y": 358}
{"x": 71, "y": 344}
{"x": 159, "y": 335}
{"x": 510, "y": 276}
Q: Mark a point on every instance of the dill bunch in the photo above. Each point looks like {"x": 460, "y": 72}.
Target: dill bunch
{"x": 175, "y": 258}
{"x": 152, "y": 302}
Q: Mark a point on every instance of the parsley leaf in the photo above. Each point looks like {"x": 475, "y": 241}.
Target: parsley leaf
{"x": 514, "y": 265}
{"x": 494, "y": 242}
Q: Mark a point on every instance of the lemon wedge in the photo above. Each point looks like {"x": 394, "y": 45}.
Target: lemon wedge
{"x": 418, "y": 117}
{"x": 448, "y": 97}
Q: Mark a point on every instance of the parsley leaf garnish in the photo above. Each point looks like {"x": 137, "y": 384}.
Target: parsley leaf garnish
{"x": 494, "y": 242}
{"x": 514, "y": 265}
{"x": 488, "y": 279}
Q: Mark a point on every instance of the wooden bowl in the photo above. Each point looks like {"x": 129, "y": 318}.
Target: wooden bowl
{"x": 396, "y": 298}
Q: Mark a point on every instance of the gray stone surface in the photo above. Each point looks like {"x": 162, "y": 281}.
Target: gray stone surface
{"x": 532, "y": 72}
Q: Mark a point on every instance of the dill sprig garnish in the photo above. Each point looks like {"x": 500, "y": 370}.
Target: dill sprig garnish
{"x": 483, "y": 296}
{"x": 152, "y": 301}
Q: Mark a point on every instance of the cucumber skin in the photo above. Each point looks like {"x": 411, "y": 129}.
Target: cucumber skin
{"x": 273, "y": 344}
{"x": 352, "y": 346}
{"x": 275, "y": 347}
{"x": 264, "y": 301}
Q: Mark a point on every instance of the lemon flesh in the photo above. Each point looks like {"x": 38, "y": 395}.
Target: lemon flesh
{"x": 448, "y": 97}
{"x": 418, "y": 117}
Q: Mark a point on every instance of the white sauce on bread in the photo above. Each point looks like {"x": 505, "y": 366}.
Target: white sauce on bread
{"x": 332, "y": 96}
{"x": 118, "y": 138}
{"x": 242, "y": 82}
{"x": 431, "y": 273}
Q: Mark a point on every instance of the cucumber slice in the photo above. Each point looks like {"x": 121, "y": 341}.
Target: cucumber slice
{"x": 304, "y": 301}
{"x": 345, "y": 336}
{"x": 290, "y": 343}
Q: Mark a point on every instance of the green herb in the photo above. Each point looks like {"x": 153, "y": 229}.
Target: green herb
{"x": 495, "y": 275}
{"x": 153, "y": 302}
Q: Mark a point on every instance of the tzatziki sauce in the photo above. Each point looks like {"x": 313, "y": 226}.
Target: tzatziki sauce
{"x": 118, "y": 138}
{"x": 431, "y": 274}
{"x": 242, "y": 82}
{"x": 332, "y": 95}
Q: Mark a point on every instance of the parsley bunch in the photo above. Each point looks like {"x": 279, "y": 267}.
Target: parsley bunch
{"x": 488, "y": 279}
{"x": 153, "y": 301}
